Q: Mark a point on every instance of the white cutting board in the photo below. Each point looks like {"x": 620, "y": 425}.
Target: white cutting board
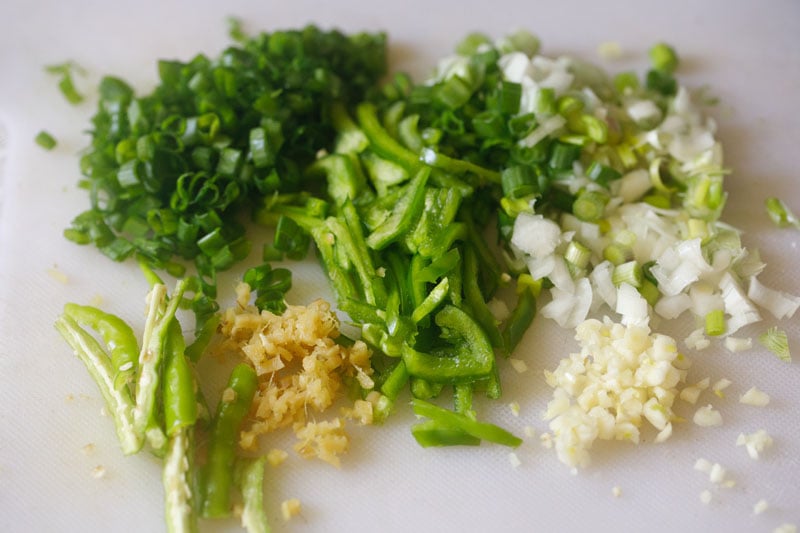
{"x": 748, "y": 52}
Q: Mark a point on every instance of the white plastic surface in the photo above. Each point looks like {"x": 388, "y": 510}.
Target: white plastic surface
{"x": 747, "y": 52}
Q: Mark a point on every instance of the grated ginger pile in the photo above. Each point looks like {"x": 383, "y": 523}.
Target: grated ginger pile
{"x": 301, "y": 370}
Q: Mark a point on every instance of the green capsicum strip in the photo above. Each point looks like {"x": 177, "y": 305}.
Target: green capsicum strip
{"x": 435, "y": 232}
{"x": 457, "y": 166}
{"x": 432, "y": 433}
{"x": 521, "y": 318}
{"x": 474, "y": 298}
{"x": 432, "y": 301}
{"x": 457, "y": 421}
{"x": 119, "y": 403}
{"x": 218, "y": 474}
{"x": 404, "y": 214}
{"x": 390, "y": 390}
{"x": 343, "y": 179}
{"x": 469, "y": 359}
{"x": 381, "y": 143}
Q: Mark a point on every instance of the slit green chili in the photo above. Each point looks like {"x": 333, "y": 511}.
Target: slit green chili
{"x": 217, "y": 479}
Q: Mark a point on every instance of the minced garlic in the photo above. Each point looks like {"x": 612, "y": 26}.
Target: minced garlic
{"x": 622, "y": 375}
{"x": 754, "y": 397}
{"x": 755, "y": 443}
{"x": 301, "y": 369}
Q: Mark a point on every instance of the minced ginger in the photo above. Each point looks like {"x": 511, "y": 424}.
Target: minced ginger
{"x": 301, "y": 369}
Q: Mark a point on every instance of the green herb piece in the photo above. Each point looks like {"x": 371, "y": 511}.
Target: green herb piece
{"x": 66, "y": 84}
{"x": 780, "y": 213}
{"x": 663, "y": 57}
{"x": 45, "y": 140}
{"x": 776, "y": 341}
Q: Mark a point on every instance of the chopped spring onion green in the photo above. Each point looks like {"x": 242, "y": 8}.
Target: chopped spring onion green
{"x": 715, "y": 323}
{"x": 663, "y": 58}
{"x": 630, "y": 273}
{"x": 45, "y": 140}
{"x": 169, "y": 173}
{"x": 66, "y": 84}
{"x": 589, "y": 206}
{"x": 577, "y": 255}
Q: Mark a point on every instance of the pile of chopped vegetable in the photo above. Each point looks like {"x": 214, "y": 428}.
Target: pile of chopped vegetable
{"x": 171, "y": 173}
{"x": 603, "y": 195}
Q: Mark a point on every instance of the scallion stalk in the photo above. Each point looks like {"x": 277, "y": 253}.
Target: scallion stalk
{"x": 715, "y": 323}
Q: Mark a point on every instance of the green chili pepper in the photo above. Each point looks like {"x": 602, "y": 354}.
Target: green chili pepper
{"x": 179, "y": 401}
{"x": 217, "y": 477}
{"x": 250, "y": 473}
{"x": 119, "y": 403}
{"x": 117, "y": 335}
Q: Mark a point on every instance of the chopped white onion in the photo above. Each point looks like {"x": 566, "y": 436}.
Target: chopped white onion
{"x": 780, "y": 304}
{"x": 546, "y": 128}
{"x": 671, "y": 307}
{"x": 643, "y": 110}
{"x": 535, "y": 235}
{"x": 633, "y": 185}
{"x": 601, "y": 278}
{"x": 569, "y": 309}
{"x": 737, "y": 304}
{"x": 632, "y": 306}
{"x": 515, "y": 66}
